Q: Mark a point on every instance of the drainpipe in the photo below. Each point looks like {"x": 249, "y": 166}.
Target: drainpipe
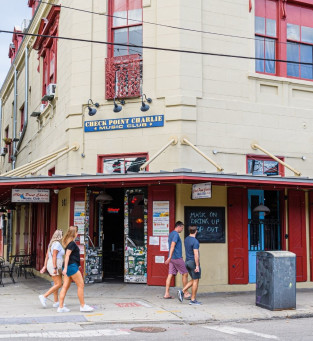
{"x": 25, "y": 106}
{"x": 14, "y": 116}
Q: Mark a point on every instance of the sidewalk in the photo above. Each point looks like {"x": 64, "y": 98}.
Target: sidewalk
{"x": 136, "y": 303}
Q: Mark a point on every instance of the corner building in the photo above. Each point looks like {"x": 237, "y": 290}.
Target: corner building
{"x": 99, "y": 131}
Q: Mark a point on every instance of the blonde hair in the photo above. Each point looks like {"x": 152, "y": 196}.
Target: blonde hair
{"x": 69, "y": 235}
{"x": 57, "y": 237}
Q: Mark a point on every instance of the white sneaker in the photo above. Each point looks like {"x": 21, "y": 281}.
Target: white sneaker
{"x": 86, "y": 308}
{"x": 43, "y": 300}
{"x": 56, "y": 304}
{"x": 63, "y": 310}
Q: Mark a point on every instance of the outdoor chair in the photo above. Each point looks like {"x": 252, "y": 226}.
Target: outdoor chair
{"x": 6, "y": 268}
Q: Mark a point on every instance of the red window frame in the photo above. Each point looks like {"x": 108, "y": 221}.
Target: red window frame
{"x": 114, "y": 156}
{"x": 51, "y": 171}
{"x": 9, "y": 146}
{"x": 283, "y": 16}
{"x": 129, "y": 4}
{"x": 281, "y": 168}
{"x": 22, "y": 118}
{"x": 47, "y": 47}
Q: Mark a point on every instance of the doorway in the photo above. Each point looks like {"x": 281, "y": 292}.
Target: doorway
{"x": 111, "y": 227}
{"x": 264, "y": 227}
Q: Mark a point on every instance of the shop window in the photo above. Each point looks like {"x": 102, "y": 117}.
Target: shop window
{"x": 121, "y": 164}
{"x": 284, "y": 32}
{"x": 124, "y": 63}
{"x": 47, "y": 48}
{"x": 258, "y": 165}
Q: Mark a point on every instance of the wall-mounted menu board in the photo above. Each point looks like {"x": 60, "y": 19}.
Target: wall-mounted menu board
{"x": 210, "y": 222}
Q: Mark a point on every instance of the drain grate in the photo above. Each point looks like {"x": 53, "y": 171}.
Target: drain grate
{"x": 148, "y": 329}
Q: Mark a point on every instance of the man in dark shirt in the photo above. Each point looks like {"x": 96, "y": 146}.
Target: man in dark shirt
{"x": 192, "y": 265}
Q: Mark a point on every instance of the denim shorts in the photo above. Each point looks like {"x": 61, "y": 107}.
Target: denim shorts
{"x": 72, "y": 269}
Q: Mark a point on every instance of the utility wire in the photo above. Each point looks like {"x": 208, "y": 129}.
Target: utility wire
{"x": 160, "y": 48}
{"x": 163, "y": 25}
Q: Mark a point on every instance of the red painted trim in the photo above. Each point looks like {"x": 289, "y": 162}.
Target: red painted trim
{"x": 77, "y": 194}
{"x": 237, "y": 213}
{"x": 311, "y": 233}
{"x": 283, "y": 219}
{"x": 18, "y": 230}
{"x": 297, "y": 231}
{"x": 156, "y": 272}
{"x": 281, "y": 168}
{"x": 250, "y": 6}
{"x": 26, "y": 228}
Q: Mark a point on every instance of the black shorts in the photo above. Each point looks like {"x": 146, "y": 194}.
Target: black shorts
{"x": 191, "y": 266}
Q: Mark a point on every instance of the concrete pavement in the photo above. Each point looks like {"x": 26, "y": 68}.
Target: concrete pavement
{"x": 135, "y": 303}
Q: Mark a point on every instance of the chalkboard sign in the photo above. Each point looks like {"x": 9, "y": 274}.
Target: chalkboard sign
{"x": 210, "y": 222}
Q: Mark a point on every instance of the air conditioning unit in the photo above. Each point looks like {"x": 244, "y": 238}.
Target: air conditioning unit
{"x": 42, "y": 107}
{"x": 51, "y": 89}
{"x": 3, "y": 151}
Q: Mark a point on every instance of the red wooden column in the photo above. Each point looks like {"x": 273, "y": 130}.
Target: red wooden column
{"x": 311, "y": 233}
{"x": 297, "y": 231}
{"x": 26, "y": 229}
{"x": 157, "y": 272}
{"x": 237, "y": 218}
{"x": 18, "y": 230}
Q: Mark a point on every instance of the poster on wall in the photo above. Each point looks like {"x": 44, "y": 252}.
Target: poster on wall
{"x": 79, "y": 216}
{"x": 201, "y": 191}
{"x": 161, "y": 219}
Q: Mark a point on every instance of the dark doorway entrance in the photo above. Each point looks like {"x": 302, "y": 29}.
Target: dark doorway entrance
{"x": 111, "y": 222}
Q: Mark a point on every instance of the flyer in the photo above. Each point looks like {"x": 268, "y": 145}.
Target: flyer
{"x": 161, "y": 210}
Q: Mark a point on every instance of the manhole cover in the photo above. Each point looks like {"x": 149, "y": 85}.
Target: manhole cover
{"x": 148, "y": 329}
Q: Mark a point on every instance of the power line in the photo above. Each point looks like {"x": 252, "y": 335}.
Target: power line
{"x": 162, "y": 25}
{"x": 160, "y": 48}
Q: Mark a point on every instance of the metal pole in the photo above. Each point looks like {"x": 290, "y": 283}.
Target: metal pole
{"x": 185, "y": 141}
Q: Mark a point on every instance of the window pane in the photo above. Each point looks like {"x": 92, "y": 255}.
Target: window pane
{"x": 271, "y": 27}
{"x": 260, "y": 25}
{"x": 134, "y": 16}
{"x": 306, "y": 57}
{"x": 293, "y": 32}
{"x": 307, "y": 34}
{"x": 255, "y": 167}
{"x": 269, "y": 54}
{"x": 120, "y": 19}
{"x": 271, "y": 167}
{"x": 135, "y": 37}
{"x": 120, "y": 36}
{"x": 259, "y": 53}
{"x": 293, "y": 55}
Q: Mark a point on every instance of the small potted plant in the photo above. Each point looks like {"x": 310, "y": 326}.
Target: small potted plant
{"x": 7, "y": 140}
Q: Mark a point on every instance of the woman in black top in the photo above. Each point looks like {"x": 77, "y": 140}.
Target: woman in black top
{"x": 71, "y": 271}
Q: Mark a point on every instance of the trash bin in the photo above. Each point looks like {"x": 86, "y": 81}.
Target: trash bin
{"x": 276, "y": 280}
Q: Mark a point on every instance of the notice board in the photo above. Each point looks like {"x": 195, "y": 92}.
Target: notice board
{"x": 210, "y": 222}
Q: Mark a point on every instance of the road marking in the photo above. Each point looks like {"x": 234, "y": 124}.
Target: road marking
{"x": 144, "y": 304}
{"x": 235, "y": 331}
{"x": 66, "y": 334}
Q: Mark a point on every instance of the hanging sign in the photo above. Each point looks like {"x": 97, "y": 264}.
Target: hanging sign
{"x": 124, "y": 123}
{"x": 30, "y": 195}
{"x": 201, "y": 191}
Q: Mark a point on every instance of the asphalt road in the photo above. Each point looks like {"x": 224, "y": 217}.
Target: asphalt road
{"x": 284, "y": 329}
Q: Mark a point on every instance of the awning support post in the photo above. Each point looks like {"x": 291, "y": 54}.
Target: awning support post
{"x": 185, "y": 141}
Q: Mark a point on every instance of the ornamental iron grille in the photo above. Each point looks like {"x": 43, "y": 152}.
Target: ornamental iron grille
{"x": 264, "y": 234}
{"x": 123, "y": 76}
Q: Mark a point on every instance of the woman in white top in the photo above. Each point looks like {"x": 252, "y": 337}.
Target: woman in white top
{"x": 53, "y": 264}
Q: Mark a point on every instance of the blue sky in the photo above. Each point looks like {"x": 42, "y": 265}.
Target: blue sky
{"x": 12, "y": 13}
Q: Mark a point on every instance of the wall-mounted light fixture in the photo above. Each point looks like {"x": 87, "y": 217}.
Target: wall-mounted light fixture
{"x": 92, "y": 111}
{"x": 144, "y": 106}
{"x": 118, "y": 108}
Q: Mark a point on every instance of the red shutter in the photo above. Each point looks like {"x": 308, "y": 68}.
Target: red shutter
{"x": 18, "y": 230}
{"x": 297, "y": 231}
{"x": 237, "y": 218}
{"x": 311, "y": 233}
{"x": 26, "y": 229}
{"x": 157, "y": 272}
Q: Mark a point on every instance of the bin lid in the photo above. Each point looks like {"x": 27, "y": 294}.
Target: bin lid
{"x": 277, "y": 253}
